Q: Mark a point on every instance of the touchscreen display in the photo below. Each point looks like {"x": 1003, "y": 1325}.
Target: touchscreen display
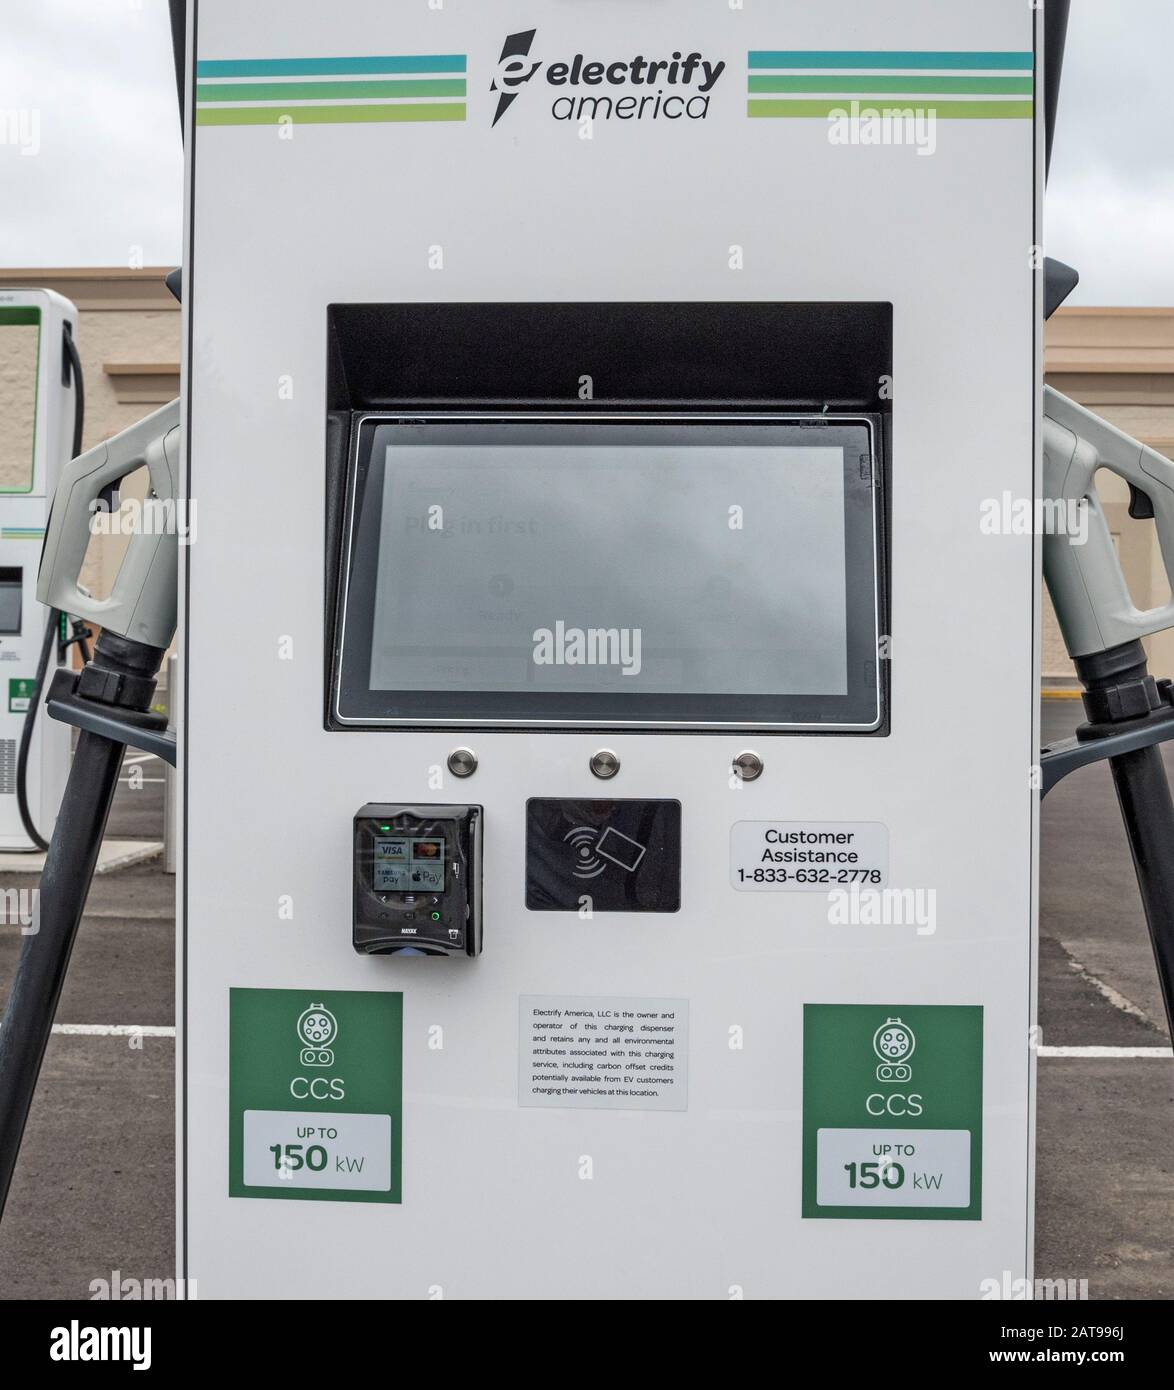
{"x": 637, "y": 568}
{"x": 707, "y": 573}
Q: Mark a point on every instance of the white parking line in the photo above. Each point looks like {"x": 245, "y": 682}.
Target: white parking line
{"x": 1106, "y": 1052}
{"x": 1106, "y": 991}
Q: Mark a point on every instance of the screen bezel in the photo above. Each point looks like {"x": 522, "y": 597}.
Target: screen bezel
{"x": 860, "y": 710}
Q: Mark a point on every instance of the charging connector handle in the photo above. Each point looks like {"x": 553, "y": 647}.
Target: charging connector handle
{"x": 1087, "y": 585}
{"x": 142, "y": 603}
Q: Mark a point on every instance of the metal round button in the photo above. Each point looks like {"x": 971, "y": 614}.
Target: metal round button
{"x": 748, "y": 766}
{"x": 604, "y": 764}
{"x": 462, "y": 762}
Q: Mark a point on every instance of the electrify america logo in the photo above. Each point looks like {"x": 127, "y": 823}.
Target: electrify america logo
{"x": 513, "y": 71}
{"x": 654, "y": 88}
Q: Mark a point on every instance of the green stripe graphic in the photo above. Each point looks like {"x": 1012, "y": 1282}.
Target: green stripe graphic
{"x": 945, "y": 110}
{"x": 331, "y": 115}
{"x": 307, "y": 91}
{"x": 839, "y": 82}
{"x": 378, "y": 97}
{"x": 934, "y": 74}
{"x": 311, "y": 67}
{"x": 993, "y": 62}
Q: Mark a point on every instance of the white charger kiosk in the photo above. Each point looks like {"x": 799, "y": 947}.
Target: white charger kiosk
{"x": 37, "y": 404}
{"x": 615, "y": 873}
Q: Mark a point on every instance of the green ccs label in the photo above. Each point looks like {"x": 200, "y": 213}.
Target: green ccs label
{"x": 892, "y": 1111}
{"x": 20, "y": 693}
{"x": 315, "y": 1094}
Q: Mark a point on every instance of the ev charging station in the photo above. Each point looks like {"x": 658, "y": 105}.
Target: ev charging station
{"x": 609, "y": 851}
{"x": 38, "y": 404}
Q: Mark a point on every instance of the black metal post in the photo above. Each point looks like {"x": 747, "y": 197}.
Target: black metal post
{"x": 1118, "y": 691}
{"x": 1055, "y": 37}
{"x": 179, "y": 34}
{"x": 122, "y": 674}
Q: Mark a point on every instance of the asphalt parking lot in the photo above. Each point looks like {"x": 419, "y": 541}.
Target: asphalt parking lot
{"x": 93, "y": 1194}
{"x": 94, "y": 1191}
{"x": 1105, "y": 1156}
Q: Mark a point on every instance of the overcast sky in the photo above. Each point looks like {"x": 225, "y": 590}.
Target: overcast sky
{"x": 109, "y": 174}
{"x": 106, "y": 185}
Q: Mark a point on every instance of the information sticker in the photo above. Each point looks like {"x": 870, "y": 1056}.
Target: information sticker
{"x": 770, "y": 856}
{"x": 593, "y": 1052}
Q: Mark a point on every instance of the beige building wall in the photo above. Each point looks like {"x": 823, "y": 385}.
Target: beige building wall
{"x": 19, "y": 351}
{"x": 1120, "y": 363}
{"x": 128, "y": 339}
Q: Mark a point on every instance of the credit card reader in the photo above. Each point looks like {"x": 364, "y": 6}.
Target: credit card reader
{"x": 417, "y": 880}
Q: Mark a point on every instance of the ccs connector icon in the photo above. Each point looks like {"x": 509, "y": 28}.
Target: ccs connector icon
{"x": 317, "y": 1029}
{"x": 893, "y": 1042}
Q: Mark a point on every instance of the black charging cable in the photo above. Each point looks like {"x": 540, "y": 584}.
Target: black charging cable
{"x": 54, "y": 631}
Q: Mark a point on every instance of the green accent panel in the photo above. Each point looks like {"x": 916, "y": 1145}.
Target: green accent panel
{"x": 307, "y": 91}
{"x": 20, "y": 694}
{"x": 26, "y": 314}
{"x": 945, "y": 110}
{"x": 843, "y": 1091}
{"x": 330, "y": 115}
{"x": 357, "y": 1073}
{"x": 842, "y": 82}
